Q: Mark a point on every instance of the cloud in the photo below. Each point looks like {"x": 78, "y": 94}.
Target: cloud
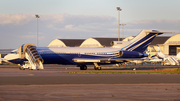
{"x": 55, "y": 18}
{"x": 41, "y": 37}
{"x": 155, "y": 21}
{"x": 78, "y": 23}
{"x": 27, "y": 36}
{"x": 50, "y": 26}
{"x": 31, "y": 35}
{"x": 68, "y": 26}
{"x": 154, "y": 24}
{"x": 15, "y": 18}
{"x": 58, "y": 37}
{"x": 134, "y": 27}
{"x": 22, "y": 28}
{"x": 85, "y": 23}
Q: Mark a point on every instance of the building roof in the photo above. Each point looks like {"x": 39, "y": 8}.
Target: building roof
{"x": 72, "y": 42}
{"x": 107, "y": 41}
{"x": 159, "y": 40}
{"x": 173, "y": 40}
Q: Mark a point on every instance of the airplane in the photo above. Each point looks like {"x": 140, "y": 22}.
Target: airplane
{"x": 82, "y": 56}
{"x": 168, "y": 59}
{"x": 153, "y": 60}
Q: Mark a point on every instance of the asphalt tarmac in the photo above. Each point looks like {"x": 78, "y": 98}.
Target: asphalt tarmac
{"x": 54, "y": 84}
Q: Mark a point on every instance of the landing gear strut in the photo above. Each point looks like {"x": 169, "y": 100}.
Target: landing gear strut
{"x": 83, "y": 67}
{"x": 97, "y": 67}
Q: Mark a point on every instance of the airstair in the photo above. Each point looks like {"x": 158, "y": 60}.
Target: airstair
{"x": 172, "y": 60}
{"x": 29, "y": 52}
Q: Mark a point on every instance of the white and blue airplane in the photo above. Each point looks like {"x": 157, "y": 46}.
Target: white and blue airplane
{"x": 168, "y": 59}
{"x": 82, "y": 56}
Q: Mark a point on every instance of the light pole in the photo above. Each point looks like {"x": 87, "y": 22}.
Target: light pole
{"x": 37, "y": 16}
{"x": 122, "y": 29}
{"x": 119, "y": 9}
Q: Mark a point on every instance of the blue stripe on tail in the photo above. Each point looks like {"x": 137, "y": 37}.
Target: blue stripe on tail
{"x": 144, "y": 43}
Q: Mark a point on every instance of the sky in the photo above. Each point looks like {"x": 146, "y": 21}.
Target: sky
{"x": 82, "y": 19}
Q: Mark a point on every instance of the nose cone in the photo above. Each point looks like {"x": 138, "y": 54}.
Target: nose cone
{"x": 11, "y": 58}
{"x": 6, "y": 58}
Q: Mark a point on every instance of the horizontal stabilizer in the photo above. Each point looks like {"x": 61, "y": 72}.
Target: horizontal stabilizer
{"x": 154, "y": 32}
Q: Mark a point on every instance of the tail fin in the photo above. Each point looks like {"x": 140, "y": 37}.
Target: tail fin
{"x": 158, "y": 49}
{"x": 142, "y": 40}
{"x": 178, "y": 56}
{"x": 159, "y": 53}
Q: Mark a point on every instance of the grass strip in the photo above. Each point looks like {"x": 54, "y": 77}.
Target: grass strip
{"x": 127, "y": 72}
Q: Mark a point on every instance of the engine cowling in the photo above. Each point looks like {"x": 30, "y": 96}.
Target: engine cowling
{"x": 132, "y": 54}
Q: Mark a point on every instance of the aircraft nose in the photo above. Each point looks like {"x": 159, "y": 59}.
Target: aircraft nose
{"x": 6, "y": 57}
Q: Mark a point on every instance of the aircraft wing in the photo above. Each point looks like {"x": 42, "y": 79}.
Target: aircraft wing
{"x": 104, "y": 60}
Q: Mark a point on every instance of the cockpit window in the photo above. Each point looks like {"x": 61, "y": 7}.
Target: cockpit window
{"x": 14, "y": 52}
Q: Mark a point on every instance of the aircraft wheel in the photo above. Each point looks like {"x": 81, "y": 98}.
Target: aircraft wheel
{"x": 99, "y": 68}
{"x": 95, "y": 68}
{"x": 21, "y": 68}
{"x": 83, "y": 67}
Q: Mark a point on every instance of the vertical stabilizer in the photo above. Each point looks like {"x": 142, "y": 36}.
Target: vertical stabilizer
{"x": 178, "y": 56}
{"x": 159, "y": 53}
{"x": 142, "y": 40}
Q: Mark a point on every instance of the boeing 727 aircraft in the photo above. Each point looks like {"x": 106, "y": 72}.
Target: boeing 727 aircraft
{"x": 82, "y": 56}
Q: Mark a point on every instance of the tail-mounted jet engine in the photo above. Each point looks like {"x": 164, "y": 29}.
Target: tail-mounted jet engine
{"x": 132, "y": 54}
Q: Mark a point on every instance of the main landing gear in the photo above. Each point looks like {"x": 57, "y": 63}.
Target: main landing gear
{"x": 97, "y": 67}
{"x": 83, "y": 67}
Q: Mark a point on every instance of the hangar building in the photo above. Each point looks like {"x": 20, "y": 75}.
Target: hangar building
{"x": 101, "y": 42}
{"x": 66, "y": 43}
{"x": 172, "y": 45}
{"x": 97, "y": 42}
{"x": 90, "y": 42}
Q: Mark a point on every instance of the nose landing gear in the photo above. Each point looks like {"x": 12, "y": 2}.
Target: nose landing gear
{"x": 97, "y": 67}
